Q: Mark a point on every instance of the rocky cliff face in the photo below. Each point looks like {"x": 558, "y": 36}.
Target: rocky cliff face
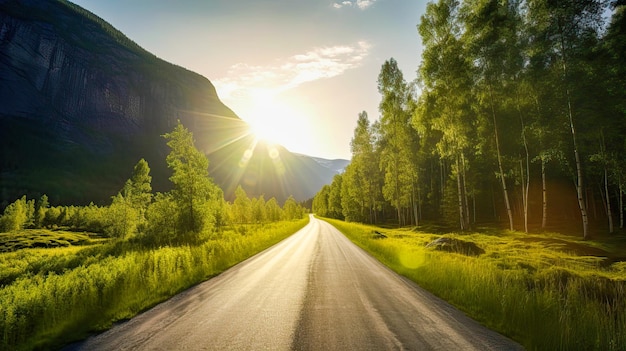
{"x": 56, "y": 61}
{"x": 80, "y": 103}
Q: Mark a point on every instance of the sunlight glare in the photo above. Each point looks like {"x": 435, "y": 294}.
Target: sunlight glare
{"x": 278, "y": 122}
{"x": 411, "y": 259}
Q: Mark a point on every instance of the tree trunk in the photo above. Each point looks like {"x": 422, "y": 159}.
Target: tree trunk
{"x": 526, "y": 185}
{"x": 466, "y": 202}
{"x": 397, "y": 191}
{"x": 442, "y": 181}
{"x": 609, "y": 213}
{"x": 493, "y": 203}
{"x": 621, "y": 203}
{"x": 524, "y": 204}
{"x": 579, "y": 185}
{"x": 607, "y": 198}
{"x": 544, "y": 197}
{"x": 474, "y": 207}
{"x": 399, "y": 214}
{"x": 507, "y": 204}
{"x": 419, "y": 203}
{"x": 414, "y": 202}
{"x": 374, "y": 211}
{"x": 460, "y": 194}
{"x": 579, "y": 171}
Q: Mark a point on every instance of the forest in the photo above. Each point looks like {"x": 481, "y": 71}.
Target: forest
{"x": 517, "y": 118}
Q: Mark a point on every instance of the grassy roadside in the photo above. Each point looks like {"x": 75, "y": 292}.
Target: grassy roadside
{"x": 548, "y": 292}
{"x": 50, "y": 297}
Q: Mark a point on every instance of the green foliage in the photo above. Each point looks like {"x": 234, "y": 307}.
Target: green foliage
{"x": 335, "y": 208}
{"x": 320, "y": 202}
{"x": 41, "y": 238}
{"x": 88, "y": 289}
{"x": 194, "y": 192}
{"x": 360, "y": 179}
{"x": 517, "y": 95}
{"x": 548, "y": 292}
{"x": 14, "y": 216}
{"x": 40, "y": 211}
{"x": 292, "y": 210}
{"x": 258, "y": 209}
{"x": 52, "y": 215}
{"x": 128, "y": 208}
{"x": 53, "y": 291}
{"x": 219, "y": 211}
{"x": 162, "y": 226}
{"x": 273, "y": 210}
{"x": 122, "y": 217}
{"x": 241, "y": 207}
{"x": 140, "y": 186}
{"x": 193, "y": 210}
{"x": 352, "y": 202}
{"x": 395, "y": 130}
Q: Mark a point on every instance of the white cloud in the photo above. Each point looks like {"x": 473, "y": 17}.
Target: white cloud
{"x": 319, "y": 63}
{"x": 361, "y": 4}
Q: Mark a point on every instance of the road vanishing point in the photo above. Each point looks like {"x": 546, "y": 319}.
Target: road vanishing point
{"x": 315, "y": 290}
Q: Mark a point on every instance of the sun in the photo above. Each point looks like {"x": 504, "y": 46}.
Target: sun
{"x": 265, "y": 129}
{"x": 277, "y": 122}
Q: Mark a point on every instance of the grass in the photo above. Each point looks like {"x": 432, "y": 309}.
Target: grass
{"x": 51, "y": 297}
{"x": 44, "y": 238}
{"x": 548, "y": 292}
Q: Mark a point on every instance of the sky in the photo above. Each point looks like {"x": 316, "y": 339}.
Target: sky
{"x": 298, "y": 71}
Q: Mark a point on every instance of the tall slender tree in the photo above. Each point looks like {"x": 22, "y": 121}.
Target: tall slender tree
{"x": 362, "y": 171}
{"x": 194, "y": 192}
{"x": 335, "y": 207}
{"x": 395, "y": 129}
{"x": 561, "y": 25}
{"x": 444, "y": 112}
{"x": 491, "y": 37}
{"x": 141, "y": 185}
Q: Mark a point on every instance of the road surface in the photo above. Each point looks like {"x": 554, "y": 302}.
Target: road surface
{"x": 313, "y": 291}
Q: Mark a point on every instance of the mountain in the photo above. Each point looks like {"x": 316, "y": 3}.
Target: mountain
{"x": 337, "y": 165}
{"x": 80, "y": 104}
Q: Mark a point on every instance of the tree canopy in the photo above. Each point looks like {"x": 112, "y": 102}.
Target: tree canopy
{"x": 517, "y": 117}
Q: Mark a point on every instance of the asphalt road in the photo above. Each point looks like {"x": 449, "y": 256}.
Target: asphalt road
{"x": 313, "y": 291}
